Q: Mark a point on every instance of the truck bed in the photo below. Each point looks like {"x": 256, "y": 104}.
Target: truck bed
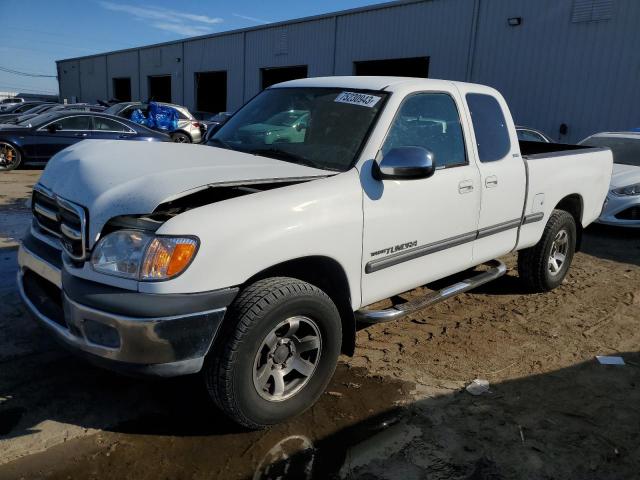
{"x": 533, "y": 150}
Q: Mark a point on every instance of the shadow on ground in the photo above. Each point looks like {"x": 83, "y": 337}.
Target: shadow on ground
{"x": 580, "y": 422}
{"x": 613, "y": 243}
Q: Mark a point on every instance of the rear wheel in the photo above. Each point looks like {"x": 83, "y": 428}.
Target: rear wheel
{"x": 10, "y": 157}
{"x": 544, "y": 266}
{"x": 276, "y": 353}
{"x": 179, "y": 137}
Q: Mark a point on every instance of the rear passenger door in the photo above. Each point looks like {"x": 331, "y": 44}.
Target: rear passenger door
{"x": 107, "y": 128}
{"x": 502, "y": 176}
{"x": 416, "y": 231}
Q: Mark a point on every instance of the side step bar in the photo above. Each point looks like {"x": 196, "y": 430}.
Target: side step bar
{"x": 496, "y": 269}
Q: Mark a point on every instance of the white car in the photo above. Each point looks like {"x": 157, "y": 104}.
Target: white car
{"x": 252, "y": 262}
{"x": 10, "y": 102}
{"x": 622, "y": 207}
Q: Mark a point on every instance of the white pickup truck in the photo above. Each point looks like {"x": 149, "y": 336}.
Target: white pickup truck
{"x": 251, "y": 260}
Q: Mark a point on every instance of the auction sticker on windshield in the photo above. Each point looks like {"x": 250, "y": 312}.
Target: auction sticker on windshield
{"x": 355, "y": 98}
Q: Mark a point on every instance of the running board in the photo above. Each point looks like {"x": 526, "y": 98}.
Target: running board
{"x": 496, "y": 269}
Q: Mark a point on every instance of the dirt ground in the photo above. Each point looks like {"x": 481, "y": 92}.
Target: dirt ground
{"x": 396, "y": 410}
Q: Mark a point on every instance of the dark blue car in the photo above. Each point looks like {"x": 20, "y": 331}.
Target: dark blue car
{"x": 35, "y": 140}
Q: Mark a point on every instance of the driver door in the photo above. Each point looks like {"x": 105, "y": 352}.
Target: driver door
{"x": 68, "y": 130}
{"x": 417, "y": 231}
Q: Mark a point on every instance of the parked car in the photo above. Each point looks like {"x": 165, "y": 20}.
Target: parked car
{"x": 56, "y": 107}
{"x": 252, "y": 262}
{"x": 19, "y": 107}
{"x": 213, "y": 123}
{"x": 26, "y": 108}
{"x": 188, "y": 130}
{"x": 9, "y": 102}
{"x": 622, "y": 207}
{"x": 526, "y": 134}
{"x": 37, "y": 139}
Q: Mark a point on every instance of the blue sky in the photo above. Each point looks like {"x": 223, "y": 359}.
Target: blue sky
{"x": 36, "y": 33}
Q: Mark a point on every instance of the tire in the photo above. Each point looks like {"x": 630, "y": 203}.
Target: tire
{"x": 10, "y": 156}
{"x": 539, "y": 266}
{"x": 242, "y": 368}
{"x": 179, "y": 137}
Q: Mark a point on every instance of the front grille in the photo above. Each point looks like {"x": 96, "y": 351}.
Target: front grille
{"x": 631, "y": 213}
{"x": 62, "y": 219}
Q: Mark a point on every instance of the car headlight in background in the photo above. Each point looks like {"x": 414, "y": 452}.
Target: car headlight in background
{"x": 143, "y": 256}
{"x": 628, "y": 190}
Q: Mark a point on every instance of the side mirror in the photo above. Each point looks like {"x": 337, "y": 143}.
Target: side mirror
{"x": 405, "y": 163}
{"x": 301, "y": 126}
{"x": 54, "y": 127}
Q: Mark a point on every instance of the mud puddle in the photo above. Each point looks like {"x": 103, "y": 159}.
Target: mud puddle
{"x": 188, "y": 439}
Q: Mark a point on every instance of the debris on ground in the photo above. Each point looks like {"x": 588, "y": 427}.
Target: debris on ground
{"x": 607, "y": 360}
{"x": 478, "y": 387}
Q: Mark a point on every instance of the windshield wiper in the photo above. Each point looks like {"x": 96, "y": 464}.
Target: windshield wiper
{"x": 286, "y": 156}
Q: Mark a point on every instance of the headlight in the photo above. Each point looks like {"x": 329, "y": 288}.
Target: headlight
{"x": 628, "y": 190}
{"x": 143, "y": 256}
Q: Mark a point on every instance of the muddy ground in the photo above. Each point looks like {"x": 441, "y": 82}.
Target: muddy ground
{"x": 396, "y": 410}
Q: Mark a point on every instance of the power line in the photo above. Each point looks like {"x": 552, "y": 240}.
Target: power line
{"x": 5, "y": 86}
{"x": 26, "y": 74}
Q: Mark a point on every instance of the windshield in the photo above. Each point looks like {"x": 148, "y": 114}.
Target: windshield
{"x": 626, "y": 151}
{"x": 320, "y": 127}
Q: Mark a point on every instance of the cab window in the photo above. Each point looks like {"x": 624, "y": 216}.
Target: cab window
{"x": 490, "y": 127}
{"x": 431, "y": 121}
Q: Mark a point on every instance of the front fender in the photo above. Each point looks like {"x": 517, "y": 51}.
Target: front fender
{"x": 246, "y": 235}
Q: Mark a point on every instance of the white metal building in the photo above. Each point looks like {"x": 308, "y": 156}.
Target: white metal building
{"x": 567, "y": 67}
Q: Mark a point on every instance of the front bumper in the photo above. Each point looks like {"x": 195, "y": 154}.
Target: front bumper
{"x": 115, "y": 328}
{"x": 621, "y": 211}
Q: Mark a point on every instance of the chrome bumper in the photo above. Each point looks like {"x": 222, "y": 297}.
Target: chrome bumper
{"x": 162, "y": 346}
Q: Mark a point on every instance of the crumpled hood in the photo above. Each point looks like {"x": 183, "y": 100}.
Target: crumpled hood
{"x": 623, "y": 175}
{"x": 116, "y": 177}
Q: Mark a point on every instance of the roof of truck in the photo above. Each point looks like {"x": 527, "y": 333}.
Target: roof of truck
{"x": 368, "y": 83}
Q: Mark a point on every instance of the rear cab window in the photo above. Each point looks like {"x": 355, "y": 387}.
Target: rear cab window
{"x": 490, "y": 127}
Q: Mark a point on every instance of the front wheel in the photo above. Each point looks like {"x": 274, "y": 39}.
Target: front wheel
{"x": 10, "y": 157}
{"x": 544, "y": 266}
{"x": 276, "y": 353}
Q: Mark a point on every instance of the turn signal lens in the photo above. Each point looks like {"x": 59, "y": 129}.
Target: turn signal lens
{"x": 166, "y": 257}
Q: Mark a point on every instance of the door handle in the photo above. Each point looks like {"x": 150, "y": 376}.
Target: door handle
{"x": 465, "y": 186}
{"x": 80, "y": 135}
{"x": 491, "y": 181}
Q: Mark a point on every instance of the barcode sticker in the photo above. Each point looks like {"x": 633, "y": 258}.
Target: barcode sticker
{"x": 355, "y": 98}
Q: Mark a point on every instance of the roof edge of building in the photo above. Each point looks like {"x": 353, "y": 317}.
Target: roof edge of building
{"x": 339, "y": 13}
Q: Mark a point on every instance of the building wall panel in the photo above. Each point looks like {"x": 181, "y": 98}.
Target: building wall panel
{"x": 439, "y": 29}
{"x": 124, "y": 64}
{"x": 215, "y": 54}
{"x": 553, "y": 70}
{"x": 69, "y": 80}
{"x": 93, "y": 78}
{"x": 305, "y": 43}
{"x": 162, "y": 60}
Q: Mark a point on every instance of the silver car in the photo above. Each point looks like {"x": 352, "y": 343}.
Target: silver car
{"x": 189, "y": 129}
{"x": 622, "y": 206}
